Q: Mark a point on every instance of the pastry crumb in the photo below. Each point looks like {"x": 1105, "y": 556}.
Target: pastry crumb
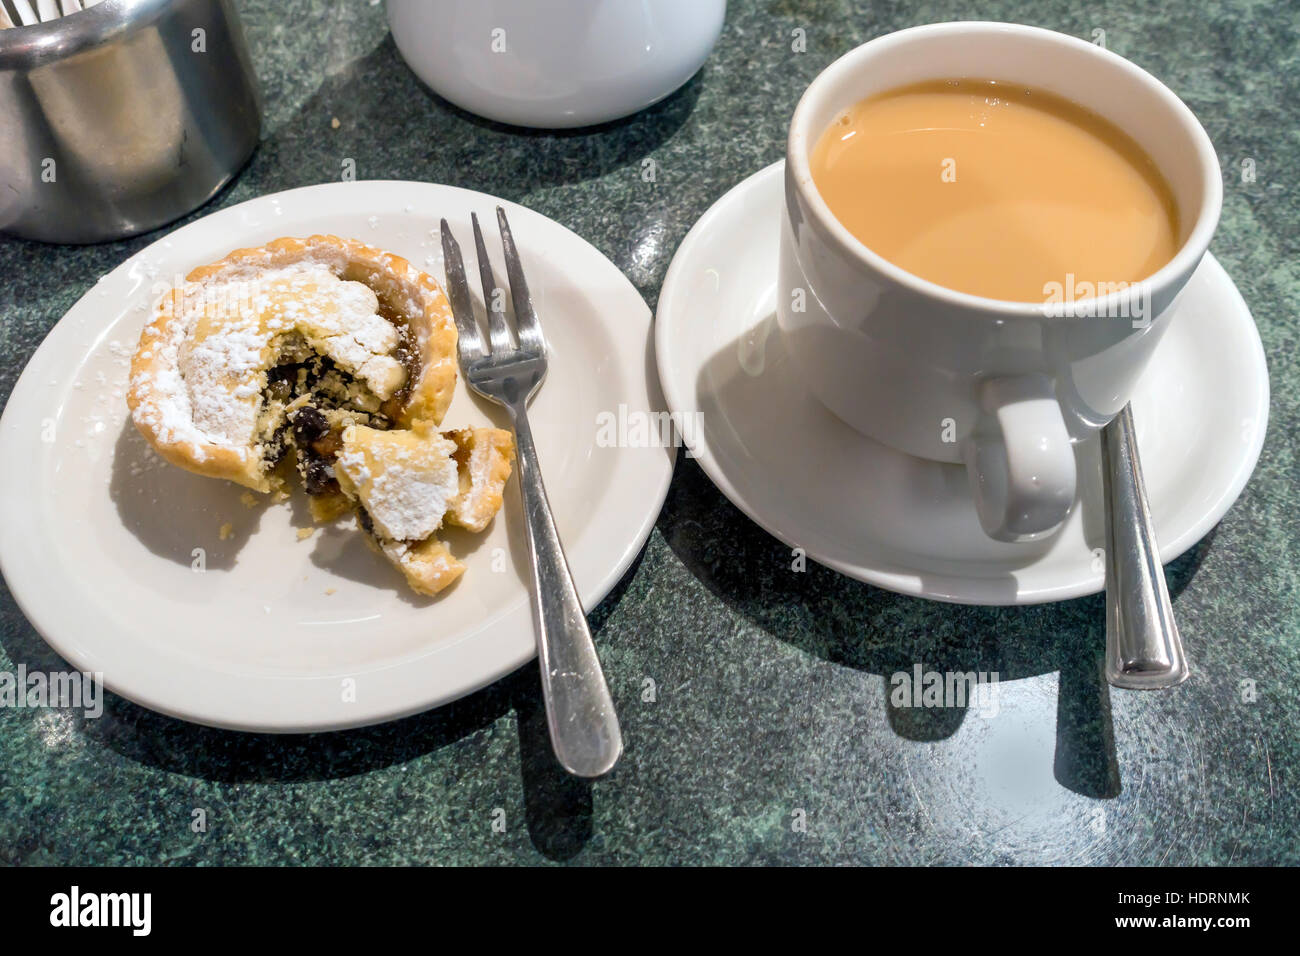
{"x": 331, "y": 590}
{"x": 305, "y": 533}
{"x": 248, "y": 499}
{"x": 334, "y": 123}
{"x": 226, "y": 531}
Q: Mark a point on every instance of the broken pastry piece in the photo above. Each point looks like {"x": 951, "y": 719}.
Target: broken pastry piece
{"x": 407, "y": 485}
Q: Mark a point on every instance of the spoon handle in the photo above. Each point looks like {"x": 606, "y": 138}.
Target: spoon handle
{"x": 1143, "y": 648}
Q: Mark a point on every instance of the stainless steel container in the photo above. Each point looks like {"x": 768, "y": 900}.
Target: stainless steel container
{"x": 120, "y": 118}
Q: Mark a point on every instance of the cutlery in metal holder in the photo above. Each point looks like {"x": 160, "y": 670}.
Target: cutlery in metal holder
{"x": 119, "y": 116}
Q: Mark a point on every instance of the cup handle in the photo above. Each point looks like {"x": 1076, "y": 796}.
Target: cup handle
{"x": 1019, "y": 459}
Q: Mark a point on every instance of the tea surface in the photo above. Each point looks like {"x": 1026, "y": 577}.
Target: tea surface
{"x": 996, "y": 190}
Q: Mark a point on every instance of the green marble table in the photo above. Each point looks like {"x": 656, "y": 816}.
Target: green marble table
{"x": 769, "y": 736}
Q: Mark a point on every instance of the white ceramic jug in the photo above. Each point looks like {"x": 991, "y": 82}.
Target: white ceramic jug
{"x": 556, "y": 64}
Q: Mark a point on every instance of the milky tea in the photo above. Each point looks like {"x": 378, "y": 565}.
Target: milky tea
{"x": 996, "y": 190}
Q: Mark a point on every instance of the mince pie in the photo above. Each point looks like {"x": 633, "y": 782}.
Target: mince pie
{"x": 307, "y": 349}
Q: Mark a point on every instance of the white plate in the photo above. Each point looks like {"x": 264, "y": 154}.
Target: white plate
{"x": 99, "y": 537}
{"x": 909, "y": 525}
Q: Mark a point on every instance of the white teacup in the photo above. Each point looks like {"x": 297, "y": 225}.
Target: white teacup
{"x": 1005, "y": 387}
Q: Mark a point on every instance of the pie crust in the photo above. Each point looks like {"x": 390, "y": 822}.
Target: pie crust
{"x": 200, "y": 377}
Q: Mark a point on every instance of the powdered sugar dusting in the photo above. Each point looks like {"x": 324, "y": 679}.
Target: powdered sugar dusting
{"x": 210, "y": 371}
{"x": 405, "y": 482}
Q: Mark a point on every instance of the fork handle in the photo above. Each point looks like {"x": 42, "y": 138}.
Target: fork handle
{"x": 579, "y": 711}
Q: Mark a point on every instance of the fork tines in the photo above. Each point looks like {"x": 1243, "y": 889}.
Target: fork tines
{"x": 469, "y": 342}
{"x": 526, "y": 327}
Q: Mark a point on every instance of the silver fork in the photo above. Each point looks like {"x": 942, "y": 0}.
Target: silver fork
{"x": 584, "y": 728}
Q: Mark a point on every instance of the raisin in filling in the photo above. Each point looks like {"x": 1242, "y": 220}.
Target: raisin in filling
{"x": 319, "y": 399}
{"x": 408, "y": 353}
{"x": 317, "y": 444}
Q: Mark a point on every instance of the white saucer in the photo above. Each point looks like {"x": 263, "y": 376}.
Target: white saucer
{"x": 98, "y": 537}
{"x": 902, "y": 523}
